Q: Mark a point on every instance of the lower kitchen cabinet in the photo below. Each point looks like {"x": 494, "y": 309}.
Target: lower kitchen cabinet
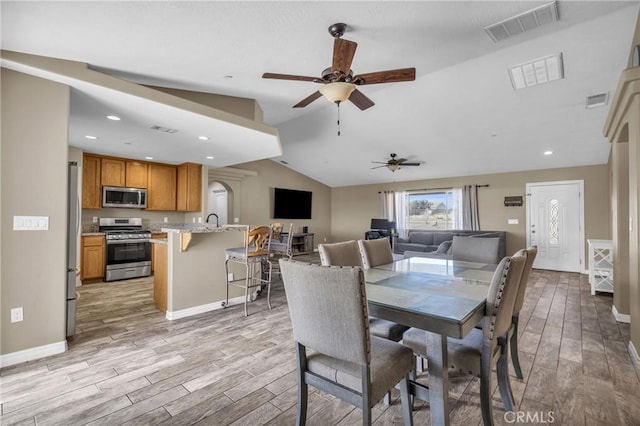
{"x": 160, "y": 276}
{"x": 156, "y": 236}
{"x": 92, "y": 261}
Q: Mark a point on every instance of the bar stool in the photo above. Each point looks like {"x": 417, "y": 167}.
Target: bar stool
{"x": 254, "y": 252}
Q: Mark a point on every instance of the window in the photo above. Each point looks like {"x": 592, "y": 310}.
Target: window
{"x": 431, "y": 210}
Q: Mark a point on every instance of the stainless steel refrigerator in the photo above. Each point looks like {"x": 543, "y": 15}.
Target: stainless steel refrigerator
{"x": 73, "y": 229}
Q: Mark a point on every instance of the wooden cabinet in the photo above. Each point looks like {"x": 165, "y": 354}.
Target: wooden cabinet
{"x": 156, "y": 236}
{"x": 113, "y": 172}
{"x": 300, "y": 243}
{"x": 136, "y": 174}
{"x": 91, "y": 189}
{"x": 189, "y": 184}
{"x": 161, "y": 187}
{"x": 92, "y": 261}
{"x": 160, "y": 277}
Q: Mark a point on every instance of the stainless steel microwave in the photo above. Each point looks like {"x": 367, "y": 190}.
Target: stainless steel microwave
{"x": 132, "y": 198}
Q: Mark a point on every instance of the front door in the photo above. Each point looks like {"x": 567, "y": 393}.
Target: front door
{"x": 555, "y": 224}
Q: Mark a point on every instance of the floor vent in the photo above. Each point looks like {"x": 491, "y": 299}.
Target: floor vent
{"x": 598, "y": 100}
{"x": 525, "y": 21}
{"x": 163, "y": 129}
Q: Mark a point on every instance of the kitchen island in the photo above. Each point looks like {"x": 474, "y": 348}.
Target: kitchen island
{"x": 190, "y": 275}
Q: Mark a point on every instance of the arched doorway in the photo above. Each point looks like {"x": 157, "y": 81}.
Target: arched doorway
{"x": 218, "y": 194}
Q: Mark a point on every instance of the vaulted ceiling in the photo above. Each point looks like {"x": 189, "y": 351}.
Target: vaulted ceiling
{"x": 461, "y": 116}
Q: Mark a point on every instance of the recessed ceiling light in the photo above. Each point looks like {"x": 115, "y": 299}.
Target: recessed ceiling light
{"x": 91, "y": 137}
{"x": 548, "y": 152}
{"x": 148, "y": 158}
{"x": 113, "y": 117}
{"x": 127, "y": 143}
{"x": 228, "y": 77}
{"x": 209, "y": 157}
{"x": 203, "y": 138}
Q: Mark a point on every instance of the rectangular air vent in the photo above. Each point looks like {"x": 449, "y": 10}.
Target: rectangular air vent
{"x": 525, "y": 21}
{"x": 538, "y": 71}
{"x": 163, "y": 129}
{"x": 598, "y": 100}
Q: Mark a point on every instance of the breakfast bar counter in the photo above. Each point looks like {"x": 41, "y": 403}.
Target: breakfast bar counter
{"x": 192, "y": 280}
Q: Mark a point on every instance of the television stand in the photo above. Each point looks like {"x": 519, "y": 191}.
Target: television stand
{"x": 301, "y": 243}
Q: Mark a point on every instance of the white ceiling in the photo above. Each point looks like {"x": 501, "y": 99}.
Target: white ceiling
{"x": 460, "y": 117}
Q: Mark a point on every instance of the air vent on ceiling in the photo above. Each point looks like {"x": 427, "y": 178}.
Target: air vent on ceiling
{"x": 525, "y": 21}
{"x": 538, "y": 71}
{"x": 598, "y": 100}
{"x": 163, "y": 129}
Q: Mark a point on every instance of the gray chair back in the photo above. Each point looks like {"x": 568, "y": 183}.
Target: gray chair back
{"x": 532, "y": 252}
{"x": 328, "y": 307}
{"x": 481, "y": 250}
{"x": 375, "y": 252}
{"x": 346, "y": 253}
{"x": 501, "y": 296}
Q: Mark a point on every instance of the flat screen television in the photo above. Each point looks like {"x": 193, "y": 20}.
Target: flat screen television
{"x": 291, "y": 204}
{"x": 379, "y": 224}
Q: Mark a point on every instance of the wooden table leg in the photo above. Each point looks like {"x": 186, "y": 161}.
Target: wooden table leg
{"x": 438, "y": 367}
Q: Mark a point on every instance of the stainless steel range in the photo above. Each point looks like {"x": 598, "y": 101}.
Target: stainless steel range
{"x": 128, "y": 251}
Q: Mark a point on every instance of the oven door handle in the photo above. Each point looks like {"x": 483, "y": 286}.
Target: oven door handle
{"x": 140, "y": 240}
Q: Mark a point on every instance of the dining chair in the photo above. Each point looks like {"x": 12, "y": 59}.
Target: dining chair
{"x": 512, "y": 334}
{"x": 280, "y": 246}
{"x": 255, "y": 251}
{"x": 470, "y": 249}
{"x": 334, "y": 350}
{"x": 345, "y": 253}
{"x": 482, "y": 350}
{"x": 375, "y": 252}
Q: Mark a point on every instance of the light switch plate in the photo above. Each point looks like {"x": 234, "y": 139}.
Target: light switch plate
{"x": 31, "y": 223}
{"x": 512, "y": 221}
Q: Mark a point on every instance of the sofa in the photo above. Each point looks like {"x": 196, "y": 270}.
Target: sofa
{"x": 438, "y": 243}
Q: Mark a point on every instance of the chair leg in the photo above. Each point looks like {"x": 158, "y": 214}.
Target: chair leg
{"x": 514, "y": 349}
{"x": 504, "y": 385}
{"x": 269, "y": 284}
{"x": 247, "y": 280}
{"x": 485, "y": 385}
{"x": 406, "y": 401}
{"x": 226, "y": 274}
{"x": 301, "y": 407}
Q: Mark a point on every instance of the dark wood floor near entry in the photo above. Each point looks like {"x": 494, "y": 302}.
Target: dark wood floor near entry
{"x": 129, "y": 365}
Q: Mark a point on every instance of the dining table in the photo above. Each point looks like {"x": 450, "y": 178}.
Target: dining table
{"x": 444, "y": 297}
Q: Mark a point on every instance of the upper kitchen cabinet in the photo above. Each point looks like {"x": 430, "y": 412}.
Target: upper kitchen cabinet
{"x": 91, "y": 175}
{"x": 137, "y": 174}
{"x": 161, "y": 187}
{"x": 189, "y": 193}
{"x": 113, "y": 172}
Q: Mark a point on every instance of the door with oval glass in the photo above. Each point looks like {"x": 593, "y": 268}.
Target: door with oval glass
{"x": 555, "y": 217}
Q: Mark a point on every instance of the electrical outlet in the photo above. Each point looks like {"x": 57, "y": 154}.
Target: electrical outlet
{"x": 16, "y": 314}
{"x": 200, "y": 219}
{"x": 166, "y": 220}
{"x": 95, "y": 219}
{"x": 236, "y": 220}
{"x": 193, "y": 219}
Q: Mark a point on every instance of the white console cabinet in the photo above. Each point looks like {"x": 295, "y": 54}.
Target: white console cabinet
{"x": 601, "y": 266}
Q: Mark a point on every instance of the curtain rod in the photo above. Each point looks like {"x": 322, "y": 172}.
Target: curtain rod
{"x": 429, "y": 189}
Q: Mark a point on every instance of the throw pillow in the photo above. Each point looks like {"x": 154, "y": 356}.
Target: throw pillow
{"x": 444, "y": 247}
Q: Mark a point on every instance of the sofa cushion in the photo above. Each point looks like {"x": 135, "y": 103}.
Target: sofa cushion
{"x": 486, "y": 235}
{"x": 444, "y": 247}
{"x": 425, "y": 238}
{"x": 402, "y": 247}
{"x": 441, "y": 237}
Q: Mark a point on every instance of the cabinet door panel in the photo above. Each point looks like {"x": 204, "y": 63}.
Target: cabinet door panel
{"x": 136, "y": 176}
{"x": 91, "y": 189}
{"x": 92, "y": 262}
{"x": 189, "y": 194}
{"x": 113, "y": 172}
{"x": 161, "y": 190}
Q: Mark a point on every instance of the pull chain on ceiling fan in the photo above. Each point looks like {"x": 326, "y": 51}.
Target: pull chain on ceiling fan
{"x": 339, "y": 83}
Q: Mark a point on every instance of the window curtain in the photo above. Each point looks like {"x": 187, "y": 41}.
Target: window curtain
{"x": 387, "y": 208}
{"x": 401, "y": 213}
{"x": 466, "y": 208}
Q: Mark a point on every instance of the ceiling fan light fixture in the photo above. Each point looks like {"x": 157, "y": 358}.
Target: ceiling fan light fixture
{"x": 393, "y": 167}
{"x": 338, "y": 91}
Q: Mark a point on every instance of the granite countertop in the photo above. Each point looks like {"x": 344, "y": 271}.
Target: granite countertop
{"x": 200, "y": 228}
{"x": 90, "y": 234}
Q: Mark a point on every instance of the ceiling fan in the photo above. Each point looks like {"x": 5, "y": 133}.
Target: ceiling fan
{"x": 394, "y": 163}
{"x": 339, "y": 83}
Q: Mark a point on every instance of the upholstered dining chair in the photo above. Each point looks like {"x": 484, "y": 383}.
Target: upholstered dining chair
{"x": 481, "y": 350}
{"x": 345, "y": 253}
{"x": 531, "y": 252}
{"x": 255, "y": 251}
{"x": 375, "y": 252}
{"x": 334, "y": 349}
{"x": 471, "y": 249}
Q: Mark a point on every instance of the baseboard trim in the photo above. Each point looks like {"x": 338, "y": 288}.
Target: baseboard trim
{"x": 32, "y": 353}
{"x": 635, "y": 358}
{"x": 626, "y": 318}
{"x": 183, "y": 313}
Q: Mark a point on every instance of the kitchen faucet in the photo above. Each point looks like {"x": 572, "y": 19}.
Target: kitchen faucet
{"x": 213, "y": 214}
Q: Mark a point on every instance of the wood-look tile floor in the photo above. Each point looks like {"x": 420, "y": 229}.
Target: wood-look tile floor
{"x": 128, "y": 365}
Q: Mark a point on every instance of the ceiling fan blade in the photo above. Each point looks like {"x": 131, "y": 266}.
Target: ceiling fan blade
{"x": 409, "y": 164}
{"x": 380, "y": 162}
{"x": 291, "y": 77}
{"x": 360, "y": 100}
{"x": 306, "y": 101}
{"x": 390, "y": 76}
{"x": 343, "y": 52}
{"x": 401, "y": 160}
{"x": 377, "y": 167}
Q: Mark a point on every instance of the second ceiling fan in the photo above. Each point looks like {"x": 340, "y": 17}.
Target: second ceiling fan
{"x": 339, "y": 83}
